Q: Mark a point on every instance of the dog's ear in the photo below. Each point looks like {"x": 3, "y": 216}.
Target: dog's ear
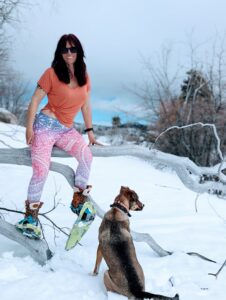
{"x": 123, "y": 189}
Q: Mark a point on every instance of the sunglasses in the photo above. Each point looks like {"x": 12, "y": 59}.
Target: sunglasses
{"x": 65, "y": 50}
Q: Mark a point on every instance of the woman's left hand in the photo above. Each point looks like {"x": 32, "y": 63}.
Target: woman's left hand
{"x": 92, "y": 140}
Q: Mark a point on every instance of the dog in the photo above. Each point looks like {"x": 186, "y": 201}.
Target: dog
{"x": 125, "y": 275}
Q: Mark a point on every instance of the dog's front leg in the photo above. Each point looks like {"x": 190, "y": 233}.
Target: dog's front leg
{"x": 98, "y": 260}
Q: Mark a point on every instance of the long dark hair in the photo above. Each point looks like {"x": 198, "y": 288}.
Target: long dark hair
{"x": 60, "y": 66}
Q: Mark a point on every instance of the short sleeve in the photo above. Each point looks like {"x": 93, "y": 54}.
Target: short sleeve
{"x": 45, "y": 82}
{"x": 88, "y": 84}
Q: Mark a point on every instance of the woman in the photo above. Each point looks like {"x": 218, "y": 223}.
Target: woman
{"x": 67, "y": 86}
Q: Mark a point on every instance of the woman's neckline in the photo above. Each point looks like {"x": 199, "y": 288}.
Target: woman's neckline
{"x": 71, "y": 87}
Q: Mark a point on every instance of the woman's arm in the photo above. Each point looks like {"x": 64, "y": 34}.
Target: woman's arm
{"x": 37, "y": 97}
{"x": 87, "y": 116}
{"x": 87, "y": 113}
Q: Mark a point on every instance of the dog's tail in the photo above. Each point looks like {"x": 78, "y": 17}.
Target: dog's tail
{"x": 146, "y": 295}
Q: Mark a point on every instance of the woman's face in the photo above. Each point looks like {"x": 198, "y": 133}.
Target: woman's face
{"x": 69, "y": 53}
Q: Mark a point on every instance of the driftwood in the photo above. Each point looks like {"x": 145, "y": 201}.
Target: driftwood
{"x": 197, "y": 179}
{"x": 39, "y": 250}
{"x": 182, "y": 166}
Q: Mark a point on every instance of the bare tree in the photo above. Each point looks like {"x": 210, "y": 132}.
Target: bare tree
{"x": 165, "y": 72}
{"x": 8, "y": 11}
{"x": 13, "y": 92}
{"x": 201, "y": 97}
{"x": 12, "y": 88}
{"x": 159, "y": 87}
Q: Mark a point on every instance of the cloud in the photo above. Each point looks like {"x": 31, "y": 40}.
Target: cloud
{"x": 116, "y": 104}
{"x": 125, "y": 105}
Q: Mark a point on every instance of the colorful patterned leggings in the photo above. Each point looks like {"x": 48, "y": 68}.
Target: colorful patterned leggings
{"x": 47, "y": 133}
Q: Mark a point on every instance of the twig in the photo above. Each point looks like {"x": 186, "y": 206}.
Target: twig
{"x": 218, "y": 272}
{"x": 201, "y": 256}
{"x": 40, "y": 214}
{"x": 196, "y": 202}
{"x": 7, "y": 145}
{"x": 54, "y": 224}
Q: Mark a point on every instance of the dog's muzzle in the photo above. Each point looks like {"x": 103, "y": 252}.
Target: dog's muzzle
{"x": 140, "y": 206}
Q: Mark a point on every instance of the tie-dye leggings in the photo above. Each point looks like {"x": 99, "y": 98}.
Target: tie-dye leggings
{"x": 47, "y": 133}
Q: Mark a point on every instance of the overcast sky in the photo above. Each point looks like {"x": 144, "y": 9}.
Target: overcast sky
{"x": 115, "y": 34}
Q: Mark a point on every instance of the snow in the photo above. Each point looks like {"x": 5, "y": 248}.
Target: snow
{"x": 169, "y": 216}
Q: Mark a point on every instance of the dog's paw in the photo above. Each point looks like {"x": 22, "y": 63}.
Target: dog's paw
{"x": 93, "y": 273}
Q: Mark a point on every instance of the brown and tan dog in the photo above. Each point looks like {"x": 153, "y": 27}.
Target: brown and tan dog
{"x": 125, "y": 275}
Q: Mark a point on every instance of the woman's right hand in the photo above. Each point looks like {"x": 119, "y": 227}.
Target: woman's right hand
{"x": 29, "y": 135}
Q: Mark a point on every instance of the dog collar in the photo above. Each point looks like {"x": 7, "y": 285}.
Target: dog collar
{"x": 121, "y": 207}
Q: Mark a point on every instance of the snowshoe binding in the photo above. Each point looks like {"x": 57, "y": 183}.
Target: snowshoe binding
{"x": 86, "y": 214}
{"x": 29, "y": 225}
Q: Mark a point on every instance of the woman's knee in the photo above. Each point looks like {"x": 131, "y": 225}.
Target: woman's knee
{"x": 40, "y": 170}
{"x": 85, "y": 155}
{"x": 88, "y": 154}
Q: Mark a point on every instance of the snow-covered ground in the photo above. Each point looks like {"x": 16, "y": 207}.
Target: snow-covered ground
{"x": 169, "y": 217}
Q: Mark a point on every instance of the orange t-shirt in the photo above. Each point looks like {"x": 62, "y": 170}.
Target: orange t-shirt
{"x": 63, "y": 101}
